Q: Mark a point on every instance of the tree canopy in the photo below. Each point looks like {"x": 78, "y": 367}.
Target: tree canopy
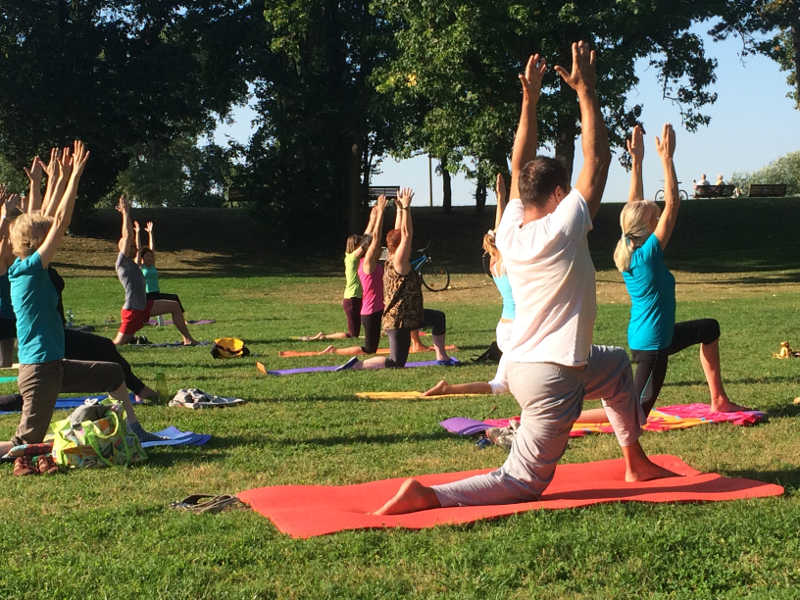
{"x": 126, "y": 77}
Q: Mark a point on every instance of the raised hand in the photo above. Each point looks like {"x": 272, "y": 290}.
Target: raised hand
{"x": 500, "y": 188}
{"x": 582, "y": 77}
{"x": 65, "y": 163}
{"x": 136, "y": 227}
{"x": 381, "y": 203}
{"x": 36, "y": 171}
{"x": 80, "y": 156}
{"x": 122, "y": 204}
{"x": 666, "y": 144}
{"x": 148, "y": 227}
{"x": 531, "y": 80}
{"x": 635, "y": 143}
{"x": 404, "y": 197}
{"x": 52, "y": 166}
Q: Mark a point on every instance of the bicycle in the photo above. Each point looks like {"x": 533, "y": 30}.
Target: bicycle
{"x": 435, "y": 278}
{"x": 682, "y": 194}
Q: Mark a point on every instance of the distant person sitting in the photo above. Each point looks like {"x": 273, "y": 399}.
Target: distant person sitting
{"x": 720, "y": 180}
{"x": 703, "y": 180}
{"x": 137, "y": 309}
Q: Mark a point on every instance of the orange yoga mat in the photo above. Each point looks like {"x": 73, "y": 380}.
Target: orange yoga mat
{"x": 304, "y": 511}
{"x": 296, "y": 353}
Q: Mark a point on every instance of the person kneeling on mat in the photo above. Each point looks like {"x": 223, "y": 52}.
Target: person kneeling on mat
{"x": 402, "y": 298}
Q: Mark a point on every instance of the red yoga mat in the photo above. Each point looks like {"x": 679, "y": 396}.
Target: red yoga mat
{"x": 305, "y": 511}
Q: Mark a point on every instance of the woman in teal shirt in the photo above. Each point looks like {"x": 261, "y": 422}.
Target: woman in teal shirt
{"x": 653, "y": 334}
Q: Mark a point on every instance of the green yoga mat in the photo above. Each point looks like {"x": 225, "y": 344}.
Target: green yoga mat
{"x": 7, "y": 379}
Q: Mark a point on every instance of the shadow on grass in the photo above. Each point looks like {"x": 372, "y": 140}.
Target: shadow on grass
{"x": 742, "y": 380}
{"x": 788, "y": 478}
{"x": 359, "y": 439}
{"x": 786, "y": 410}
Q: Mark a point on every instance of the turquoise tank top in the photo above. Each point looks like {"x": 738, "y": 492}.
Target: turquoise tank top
{"x": 504, "y": 287}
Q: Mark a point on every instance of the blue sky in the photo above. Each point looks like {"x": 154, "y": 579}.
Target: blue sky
{"x": 752, "y": 124}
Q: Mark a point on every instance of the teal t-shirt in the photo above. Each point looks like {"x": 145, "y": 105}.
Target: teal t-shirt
{"x": 40, "y": 331}
{"x": 652, "y": 290}
{"x": 150, "y": 279}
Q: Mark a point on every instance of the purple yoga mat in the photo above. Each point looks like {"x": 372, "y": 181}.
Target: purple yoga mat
{"x": 464, "y": 426}
{"x": 279, "y": 372}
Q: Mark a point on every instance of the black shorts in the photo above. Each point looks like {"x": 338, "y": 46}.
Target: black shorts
{"x": 372, "y": 331}
{"x": 352, "y": 310}
{"x": 651, "y": 365}
{"x": 8, "y": 329}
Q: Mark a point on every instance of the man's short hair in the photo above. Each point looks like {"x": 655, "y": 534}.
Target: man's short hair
{"x": 539, "y": 178}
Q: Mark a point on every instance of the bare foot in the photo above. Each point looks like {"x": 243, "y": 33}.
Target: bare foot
{"x": 190, "y": 341}
{"x": 329, "y": 350}
{"x": 146, "y": 394}
{"x": 645, "y": 471}
{"x": 411, "y": 497}
{"x": 640, "y": 468}
{"x": 439, "y": 389}
{"x": 726, "y": 405}
{"x": 415, "y": 348}
{"x": 261, "y": 368}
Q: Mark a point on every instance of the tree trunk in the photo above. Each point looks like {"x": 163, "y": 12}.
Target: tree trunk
{"x": 480, "y": 192}
{"x": 353, "y": 186}
{"x": 447, "y": 192}
{"x": 796, "y": 48}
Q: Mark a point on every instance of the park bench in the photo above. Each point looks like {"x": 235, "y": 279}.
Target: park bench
{"x": 767, "y": 190}
{"x": 390, "y": 191}
{"x": 714, "y": 191}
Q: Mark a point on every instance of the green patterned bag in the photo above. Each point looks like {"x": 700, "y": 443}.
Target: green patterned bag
{"x": 98, "y": 443}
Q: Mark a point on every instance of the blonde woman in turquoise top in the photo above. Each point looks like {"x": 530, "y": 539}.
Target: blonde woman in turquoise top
{"x": 653, "y": 334}
{"x": 146, "y": 258}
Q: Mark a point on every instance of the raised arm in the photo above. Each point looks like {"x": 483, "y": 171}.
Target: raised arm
{"x": 596, "y": 154}
{"x": 7, "y": 201}
{"x": 64, "y": 164}
{"x": 500, "y": 192}
{"x": 52, "y": 177}
{"x": 636, "y": 150}
{"x": 126, "y": 236}
{"x": 35, "y": 184}
{"x": 666, "y": 150}
{"x": 526, "y": 139}
{"x": 402, "y": 255}
{"x": 136, "y": 230}
{"x": 149, "y": 227}
{"x": 374, "y": 247}
{"x": 63, "y": 215}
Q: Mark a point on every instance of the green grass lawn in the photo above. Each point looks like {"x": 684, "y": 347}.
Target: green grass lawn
{"x": 110, "y": 534}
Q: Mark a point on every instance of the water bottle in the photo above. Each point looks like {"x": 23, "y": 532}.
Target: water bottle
{"x": 70, "y": 317}
{"x": 161, "y": 388}
{"x": 161, "y": 321}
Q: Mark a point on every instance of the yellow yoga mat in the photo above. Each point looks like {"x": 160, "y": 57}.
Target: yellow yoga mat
{"x": 408, "y": 396}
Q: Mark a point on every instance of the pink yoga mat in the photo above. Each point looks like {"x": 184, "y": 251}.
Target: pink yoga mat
{"x": 307, "y": 511}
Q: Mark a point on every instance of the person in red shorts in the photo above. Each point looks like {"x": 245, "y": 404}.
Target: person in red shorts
{"x": 137, "y": 308}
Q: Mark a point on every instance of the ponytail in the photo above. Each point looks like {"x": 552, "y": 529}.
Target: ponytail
{"x": 634, "y": 220}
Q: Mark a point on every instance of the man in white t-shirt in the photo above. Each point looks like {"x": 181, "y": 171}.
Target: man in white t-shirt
{"x": 552, "y": 362}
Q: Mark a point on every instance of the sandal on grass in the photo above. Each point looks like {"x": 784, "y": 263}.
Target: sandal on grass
{"x": 207, "y": 503}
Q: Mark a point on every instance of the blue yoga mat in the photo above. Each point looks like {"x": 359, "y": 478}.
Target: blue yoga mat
{"x": 7, "y": 379}
{"x": 280, "y": 372}
{"x": 175, "y": 437}
{"x": 65, "y": 403}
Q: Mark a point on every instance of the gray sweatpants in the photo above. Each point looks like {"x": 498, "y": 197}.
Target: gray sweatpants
{"x": 551, "y": 397}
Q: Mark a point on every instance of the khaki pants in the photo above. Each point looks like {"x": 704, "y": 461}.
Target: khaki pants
{"x": 40, "y": 384}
